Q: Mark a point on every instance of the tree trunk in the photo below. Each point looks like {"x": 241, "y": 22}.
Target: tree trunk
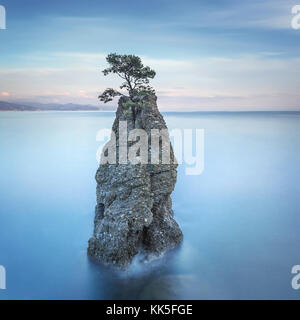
{"x": 133, "y": 113}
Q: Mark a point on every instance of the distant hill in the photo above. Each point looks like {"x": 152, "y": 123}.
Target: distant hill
{"x": 34, "y": 106}
{"x": 7, "y": 106}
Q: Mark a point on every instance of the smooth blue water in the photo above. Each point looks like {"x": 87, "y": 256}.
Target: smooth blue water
{"x": 240, "y": 218}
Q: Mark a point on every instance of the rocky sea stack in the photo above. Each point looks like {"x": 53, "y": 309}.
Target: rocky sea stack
{"x": 134, "y": 208}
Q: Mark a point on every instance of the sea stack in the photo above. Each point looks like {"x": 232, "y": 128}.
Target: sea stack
{"x": 134, "y": 207}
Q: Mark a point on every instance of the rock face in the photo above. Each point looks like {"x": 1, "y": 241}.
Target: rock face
{"x": 134, "y": 208}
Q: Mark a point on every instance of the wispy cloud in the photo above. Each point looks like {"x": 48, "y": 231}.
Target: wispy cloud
{"x": 235, "y": 14}
{"x": 80, "y": 55}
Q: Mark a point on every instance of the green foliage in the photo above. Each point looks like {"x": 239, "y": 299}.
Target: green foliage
{"x": 144, "y": 91}
{"x": 126, "y": 111}
{"x": 108, "y": 95}
{"x": 135, "y": 75}
{"x": 128, "y": 104}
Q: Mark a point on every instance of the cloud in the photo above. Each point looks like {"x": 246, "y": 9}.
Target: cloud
{"x": 4, "y": 94}
{"x": 235, "y": 14}
{"x": 280, "y": 102}
{"x": 80, "y": 55}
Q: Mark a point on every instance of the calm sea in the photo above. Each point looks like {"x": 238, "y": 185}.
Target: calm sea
{"x": 240, "y": 217}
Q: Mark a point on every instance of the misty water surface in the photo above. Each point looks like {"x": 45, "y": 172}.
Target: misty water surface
{"x": 240, "y": 217}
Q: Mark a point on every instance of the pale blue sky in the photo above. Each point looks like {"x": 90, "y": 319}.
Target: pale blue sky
{"x": 221, "y": 55}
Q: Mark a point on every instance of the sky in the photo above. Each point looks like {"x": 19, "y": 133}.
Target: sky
{"x": 208, "y": 55}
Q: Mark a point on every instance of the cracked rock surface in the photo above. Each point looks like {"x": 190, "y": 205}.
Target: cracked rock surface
{"x": 134, "y": 208}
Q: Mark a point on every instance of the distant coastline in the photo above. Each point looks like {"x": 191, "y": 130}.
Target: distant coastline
{"x": 39, "y": 107}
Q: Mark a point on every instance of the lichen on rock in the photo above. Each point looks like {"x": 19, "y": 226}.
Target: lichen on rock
{"x": 134, "y": 207}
